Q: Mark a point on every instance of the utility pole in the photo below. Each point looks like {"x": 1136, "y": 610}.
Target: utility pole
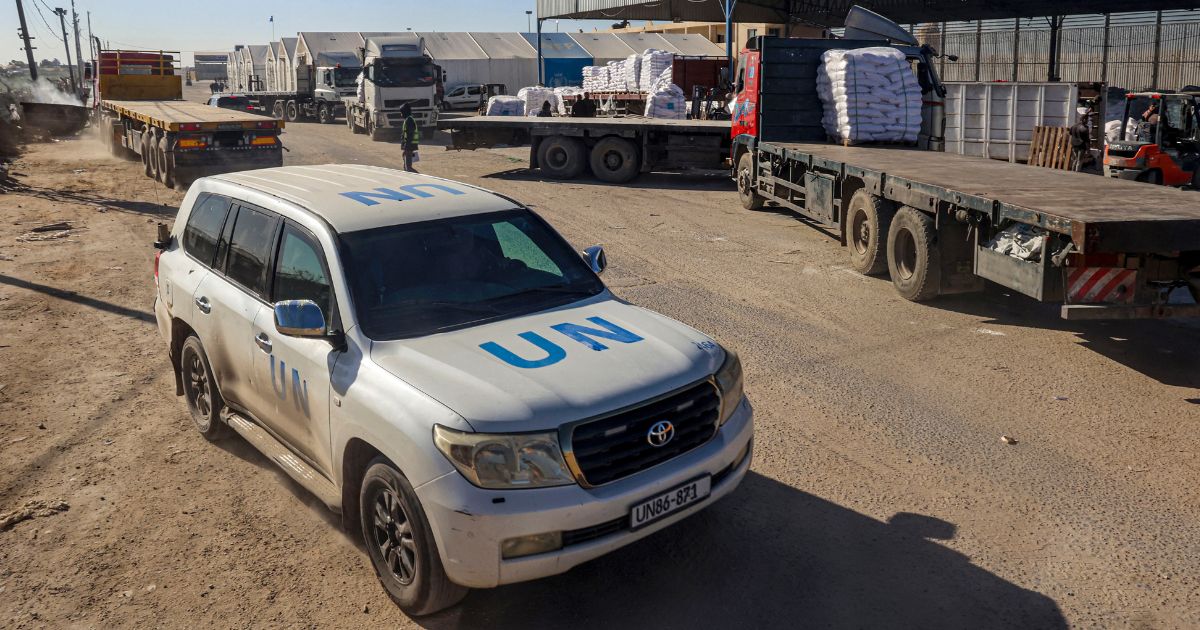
{"x": 24, "y": 33}
{"x": 62, "y": 20}
{"x": 78, "y": 50}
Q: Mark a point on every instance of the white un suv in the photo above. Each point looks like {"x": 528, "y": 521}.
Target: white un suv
{"x": 436, "y": 363}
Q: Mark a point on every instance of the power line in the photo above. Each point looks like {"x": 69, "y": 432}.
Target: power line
{"x": 48, "y": 27}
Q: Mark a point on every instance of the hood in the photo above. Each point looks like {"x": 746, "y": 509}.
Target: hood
{"x": 542, "y": 370}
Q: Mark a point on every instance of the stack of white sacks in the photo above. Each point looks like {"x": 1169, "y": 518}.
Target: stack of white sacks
{"x": 534, "y": 97}
{"x": 869, "y": 95}
{"x": 666, "y": 100}
{"x": 595, "y": 78}
{"x": 505, "y": 106}
{"x": 633, "y": 72}
{"x": 654, "y": 62}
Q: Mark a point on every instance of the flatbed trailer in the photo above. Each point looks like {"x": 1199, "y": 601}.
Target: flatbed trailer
{"x": 940, "y": 223}
{"x": 615, "y": 149}
{"x": 294, "y": 106}
{"x": 142, "y": 115}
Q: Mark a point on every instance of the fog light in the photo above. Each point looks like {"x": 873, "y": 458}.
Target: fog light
{"x": 529, "y": 545}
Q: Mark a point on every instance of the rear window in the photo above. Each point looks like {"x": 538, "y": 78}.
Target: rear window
{"x": 233, "y": 102}
{"x": 204, "y": 228}
{"x": 249, "y": 248}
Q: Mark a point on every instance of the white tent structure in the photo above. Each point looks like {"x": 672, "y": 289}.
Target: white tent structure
{"x": 603, "y": 47}
{"x": 511, "y": 60}
{"x": 693, "y": 45}
{"x": 257, "y": 67}
{"x": 287, "y": 65}
{"x": 271, "y": 82}
{"x": 460, "y": 57}
{"x": 641, "y": 42}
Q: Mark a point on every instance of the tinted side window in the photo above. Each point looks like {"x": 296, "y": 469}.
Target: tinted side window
{"x": 249, "y": 249}
{"x": 300, "y": 274}
{"x": 204, "y": 227}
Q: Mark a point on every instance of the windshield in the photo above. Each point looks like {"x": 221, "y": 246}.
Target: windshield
{"x": 420, "y": 278}
{"x": 404, "y": 73}
{"x": 233, "y": 102}
{"x": 345, "y": 77}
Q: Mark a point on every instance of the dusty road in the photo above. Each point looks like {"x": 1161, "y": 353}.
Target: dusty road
{"x": 880, "y": 495}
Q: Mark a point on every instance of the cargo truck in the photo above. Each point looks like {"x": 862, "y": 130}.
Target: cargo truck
{"x": 395, "y": 70}
{"x": 940, "y": 223}
{"x": 142, "y": 115}
{"x": 320, "y": 90}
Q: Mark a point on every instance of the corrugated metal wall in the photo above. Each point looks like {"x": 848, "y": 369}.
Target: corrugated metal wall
{"x": 1130, "y": 62}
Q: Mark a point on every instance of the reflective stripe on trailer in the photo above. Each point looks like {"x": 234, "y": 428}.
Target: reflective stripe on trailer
{"x": 1095, "y": 285}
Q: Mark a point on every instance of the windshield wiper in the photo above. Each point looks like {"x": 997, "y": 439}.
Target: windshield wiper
{"x": 555, "y": 288}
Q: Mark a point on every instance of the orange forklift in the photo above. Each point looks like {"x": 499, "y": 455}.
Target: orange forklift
{"x": 1160, "y": 140}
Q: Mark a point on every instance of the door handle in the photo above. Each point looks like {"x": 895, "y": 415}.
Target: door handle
{"x": 264, "y": 342}
{"x": 203, "y": 305}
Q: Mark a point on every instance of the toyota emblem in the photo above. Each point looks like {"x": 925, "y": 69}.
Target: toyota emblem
{"x": 660, "y": 434}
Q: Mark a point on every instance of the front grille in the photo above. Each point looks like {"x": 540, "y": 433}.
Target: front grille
{"x": 582, "y": 535}
{"x": 399, "y": 102}
{"x": 617, "y": 446}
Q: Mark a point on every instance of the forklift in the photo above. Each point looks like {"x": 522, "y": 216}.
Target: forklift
{"x": 1159, "y": 144}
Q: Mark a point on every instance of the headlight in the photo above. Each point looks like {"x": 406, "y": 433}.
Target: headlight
{"x": 498, "y": 460}
{"x": 729, "y": 380}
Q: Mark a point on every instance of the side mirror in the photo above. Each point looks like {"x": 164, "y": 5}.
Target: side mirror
{"x": 595, "y": 258}
{"x": 299, "y": 318}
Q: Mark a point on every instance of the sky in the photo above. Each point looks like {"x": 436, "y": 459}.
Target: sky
{"x": 191, "y": 25}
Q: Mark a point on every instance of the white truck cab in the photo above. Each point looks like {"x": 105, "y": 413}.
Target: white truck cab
{"x": 395, "y": 70}
{"x": 436, "y": 363}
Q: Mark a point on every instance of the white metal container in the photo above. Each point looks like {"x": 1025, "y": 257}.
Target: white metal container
{"x": 996, "y": 120}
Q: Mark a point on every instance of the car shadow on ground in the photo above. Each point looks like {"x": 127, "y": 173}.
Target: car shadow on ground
{"x": 769, "y": 556}
{"x": 119, "y": 205}
{"x": 1156, "y": 348}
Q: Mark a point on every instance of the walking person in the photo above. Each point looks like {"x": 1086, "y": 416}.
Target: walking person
{"x": 410, "y": 138}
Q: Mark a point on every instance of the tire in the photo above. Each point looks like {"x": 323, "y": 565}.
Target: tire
{"x": 615, "y": 160}
{"x": 868, "y": 220}
{"x": 914, "y": 260}
{"x": 291, "y": 111}
{"x": 561, "y": 157}
{"x": 277, "y": 110}
{"x": 148, "y": 157}
{"x": 400, "y": 543}
{"x": 152, "y": 155}
{"x": 200, "y": 390}
{"x": 377, "y": 134}
{"x": 166, "y": 171}
{"x": 323, "y": 115}
{"x": 751, "y": 200}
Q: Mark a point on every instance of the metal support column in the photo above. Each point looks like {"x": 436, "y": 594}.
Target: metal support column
{"x": 541, "y": 63}
{"x": 978, "y": 49}
{"x": 1052, "y": 73}
{"x": 729, "y": 6}
{"x": 1104, "y": 50}
{"x": 1016, "y": 51}
{"x": 1154, "y": 74}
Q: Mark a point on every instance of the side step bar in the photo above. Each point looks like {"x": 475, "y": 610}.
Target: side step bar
{"x": 296, "y": 468}
{"x": 1080, "y": 312}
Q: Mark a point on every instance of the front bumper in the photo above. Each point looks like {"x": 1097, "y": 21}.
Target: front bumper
{"x": 469, "y": 523}
{"x": 425, "y": 117}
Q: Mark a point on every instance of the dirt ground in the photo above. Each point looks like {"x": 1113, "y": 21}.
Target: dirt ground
{"x": 880, "y": 495}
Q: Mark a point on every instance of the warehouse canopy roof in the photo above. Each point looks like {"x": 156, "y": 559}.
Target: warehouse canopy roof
{"x": 258, "y": 54}
{"x": 693, "y": 45}
{"x": 557, "y": 46}
{"x": 505, "y": 45}
{"x": 640, "y": 42}
{"x": 316, "y": 43}
{"x": 289, "y": 46}
{"x": 832, "y": 12}
{"x": 445, "y": 46}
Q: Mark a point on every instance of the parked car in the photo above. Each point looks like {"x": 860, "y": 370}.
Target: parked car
{"x": 462, "y": 96}
{"x": 436, "y": 363}
{"x": 236, "y": 101}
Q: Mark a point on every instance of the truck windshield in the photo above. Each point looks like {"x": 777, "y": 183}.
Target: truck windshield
{"x": 345, "y": 77}
{"x": 421, "y": 278}
{"x": 404, "y": 73}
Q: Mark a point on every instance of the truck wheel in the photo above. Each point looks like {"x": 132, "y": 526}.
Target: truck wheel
{"x": 200, "y": 390}
{"x": 751, "y": 200}
{"x": 151, "y": 155}
{"x": 913, "y": 256}
{"x": 324, "y": 116}
{"x": 166, "y": 171}
{"x": 868, "y": 219}
{"x": 400, "y": 543}
{"x": 277, "y": 110}
{"x": 615, "y": 160}
{"x": 374, "y": 131}
{"x": 562, "y": 157}
{"x": 291, "y": 111}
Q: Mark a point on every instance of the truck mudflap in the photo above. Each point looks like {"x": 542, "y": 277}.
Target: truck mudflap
{"x": 192, "y": 165}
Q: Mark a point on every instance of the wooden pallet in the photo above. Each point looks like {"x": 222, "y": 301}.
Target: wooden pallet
{"x": 1051, "y": 148}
